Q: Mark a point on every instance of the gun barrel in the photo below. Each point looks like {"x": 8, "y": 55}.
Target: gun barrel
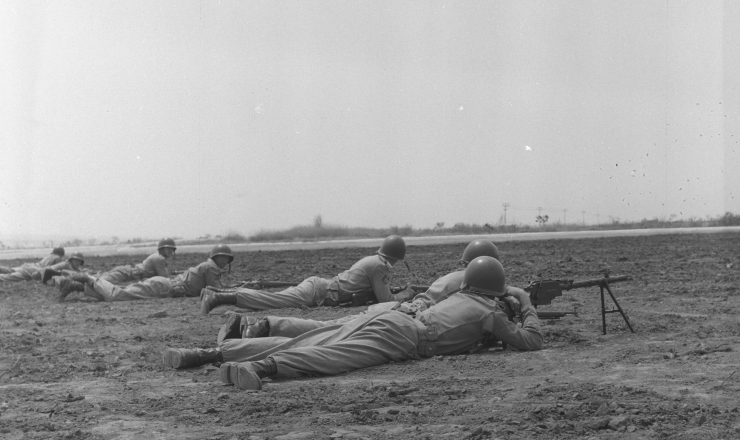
{"x": 552, "y": 314}
{"x": 595, "y": 282}
{"x": 416, "y": 288}
{"x": 268, "y": 284}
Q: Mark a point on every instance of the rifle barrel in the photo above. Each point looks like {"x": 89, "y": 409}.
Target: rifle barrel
{"x": 595, "y": 282}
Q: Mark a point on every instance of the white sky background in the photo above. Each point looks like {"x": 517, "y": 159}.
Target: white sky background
{"x": 181, "y": 118}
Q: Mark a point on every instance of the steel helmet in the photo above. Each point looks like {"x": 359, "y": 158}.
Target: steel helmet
{"x": 222, "y": 249}
{"x": 166, "y": 243}
{"x": 484, "y": 275}
{"x": 393, "y": 247}
{"x": 479, "y": 248}
{"x": 58, "y": 251}
{"x": 77, "y": 256}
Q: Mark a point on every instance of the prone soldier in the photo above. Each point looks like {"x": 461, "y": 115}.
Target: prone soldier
{"x": 156, "y": 264}
{"x": 189, "y": 283}
{"x": 369, "y": 276}
{"x": 238, "y": 326}
{"x": 31, "y": 271}
{"x": 454, "y": 326}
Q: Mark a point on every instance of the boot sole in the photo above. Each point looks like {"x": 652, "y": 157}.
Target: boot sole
{"x": 230, "y": 329}
{"x": 246, "y": 378}
{"x": 172, "y": 358}
{"x": 205, "y": 308}
{"x": 226, "y": 371}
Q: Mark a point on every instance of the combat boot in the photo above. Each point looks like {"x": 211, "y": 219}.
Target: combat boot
{"x": 210, "y": 299}
{"x": 242, "y": 375}
{"x": 252, "y": 327}
{"x": 47, "y": 273}
{"x": 184, "y": 358}
{"x": 67, "y": 286}
{"x": 231, "y": 328}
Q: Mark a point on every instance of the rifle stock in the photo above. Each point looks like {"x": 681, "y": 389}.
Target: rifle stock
{"x": 415, "y": 287}
{"x": 266, "y": 284}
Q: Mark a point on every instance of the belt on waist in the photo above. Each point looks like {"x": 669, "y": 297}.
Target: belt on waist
{"x": 178, "y": 288}
{"x": 341, "y": 296}
{"x": 427, "y": 339}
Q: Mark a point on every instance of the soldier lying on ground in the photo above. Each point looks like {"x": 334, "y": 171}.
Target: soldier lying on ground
{"x": 188, "y": 283}
{"x": 29, "y": 271}
{"x": 369, "y": 276}
{"x": 74, "y": 264}
{"x": 238, "y": 326}
{"x": 454, "y": 326}
{"x": 156, "y": 264}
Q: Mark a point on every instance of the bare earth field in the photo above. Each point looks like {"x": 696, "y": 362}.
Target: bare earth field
{"x": 89, "y": 370}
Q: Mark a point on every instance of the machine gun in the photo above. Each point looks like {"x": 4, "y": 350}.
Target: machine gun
{"x": 544, "y": 291}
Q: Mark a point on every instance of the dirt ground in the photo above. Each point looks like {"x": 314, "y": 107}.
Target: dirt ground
{"x": 89, "y": 370}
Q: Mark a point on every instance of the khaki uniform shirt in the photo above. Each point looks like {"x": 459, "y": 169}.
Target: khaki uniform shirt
{"x": 459, "y": 323}
{"x": 154, "y": 265}
{"x": 369, "y": 274}
{"x": 50, "y": 259}
{"x": 439, "y": 291}
{"x": 198, "y": 277}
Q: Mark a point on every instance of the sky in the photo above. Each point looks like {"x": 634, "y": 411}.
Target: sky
{"x": 185, "y": 118}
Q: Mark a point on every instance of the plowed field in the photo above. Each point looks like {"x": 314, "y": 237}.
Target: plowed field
{"x": 84, "y": 369}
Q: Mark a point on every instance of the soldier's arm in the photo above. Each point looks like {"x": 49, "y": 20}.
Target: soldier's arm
{"x": 528, "y": 337}
{"x": 162, "y": 267}
{"x": 380, "y": 282}
{"x": 213, "y": 277}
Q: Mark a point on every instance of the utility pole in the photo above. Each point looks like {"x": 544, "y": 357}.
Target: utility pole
{"x": 539, "y": 211}
{"x": 564, "y": 220}
{"x": 584, "y": 217}
{"x": 506, "y": 206}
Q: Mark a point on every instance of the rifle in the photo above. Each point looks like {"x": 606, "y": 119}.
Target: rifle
{"x": 265, "y": 284}
{"x": 415, "y": 287}
{"x": 544, "y": 291}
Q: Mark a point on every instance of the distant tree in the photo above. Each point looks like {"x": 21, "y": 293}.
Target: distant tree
{"x": 318, "y": 221}
{"x": 542, "y": 219}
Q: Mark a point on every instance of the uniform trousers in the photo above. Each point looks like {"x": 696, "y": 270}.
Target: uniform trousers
{"x": 121, "y": 274}
{"x": 292, "y": 327}
{"x": 311, "y": 292}
{"x": 155, "y": 287}
{"x": 23, "y": 273}
{"x": 366, "y": 341}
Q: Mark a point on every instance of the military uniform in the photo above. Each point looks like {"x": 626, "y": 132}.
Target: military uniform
{"x": 29, "y": 271}
{"x": 453, "y": 326}
{"x": 440, "y": 290}
{"x": 188, "y": 283}
{"x": 155, "y": 265}
{"x": 370, "y": 275}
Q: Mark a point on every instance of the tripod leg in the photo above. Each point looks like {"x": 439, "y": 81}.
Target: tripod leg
{"x": 618, "y": 307}
{"x": 603, "y": 311}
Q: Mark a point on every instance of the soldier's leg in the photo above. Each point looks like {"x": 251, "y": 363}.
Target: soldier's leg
{"x": 5, "y": 269}
{"x": 292, "y": 327}
{"x": 365, "y": 341}
{"x": 120, "y": 275}
{"x": 22, "y": 274}
{"x": 157, "y": 287}
{"x": 310, "y": 293}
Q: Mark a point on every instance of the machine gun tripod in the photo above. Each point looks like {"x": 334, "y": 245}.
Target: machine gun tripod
{"x": 544, "y": 291}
